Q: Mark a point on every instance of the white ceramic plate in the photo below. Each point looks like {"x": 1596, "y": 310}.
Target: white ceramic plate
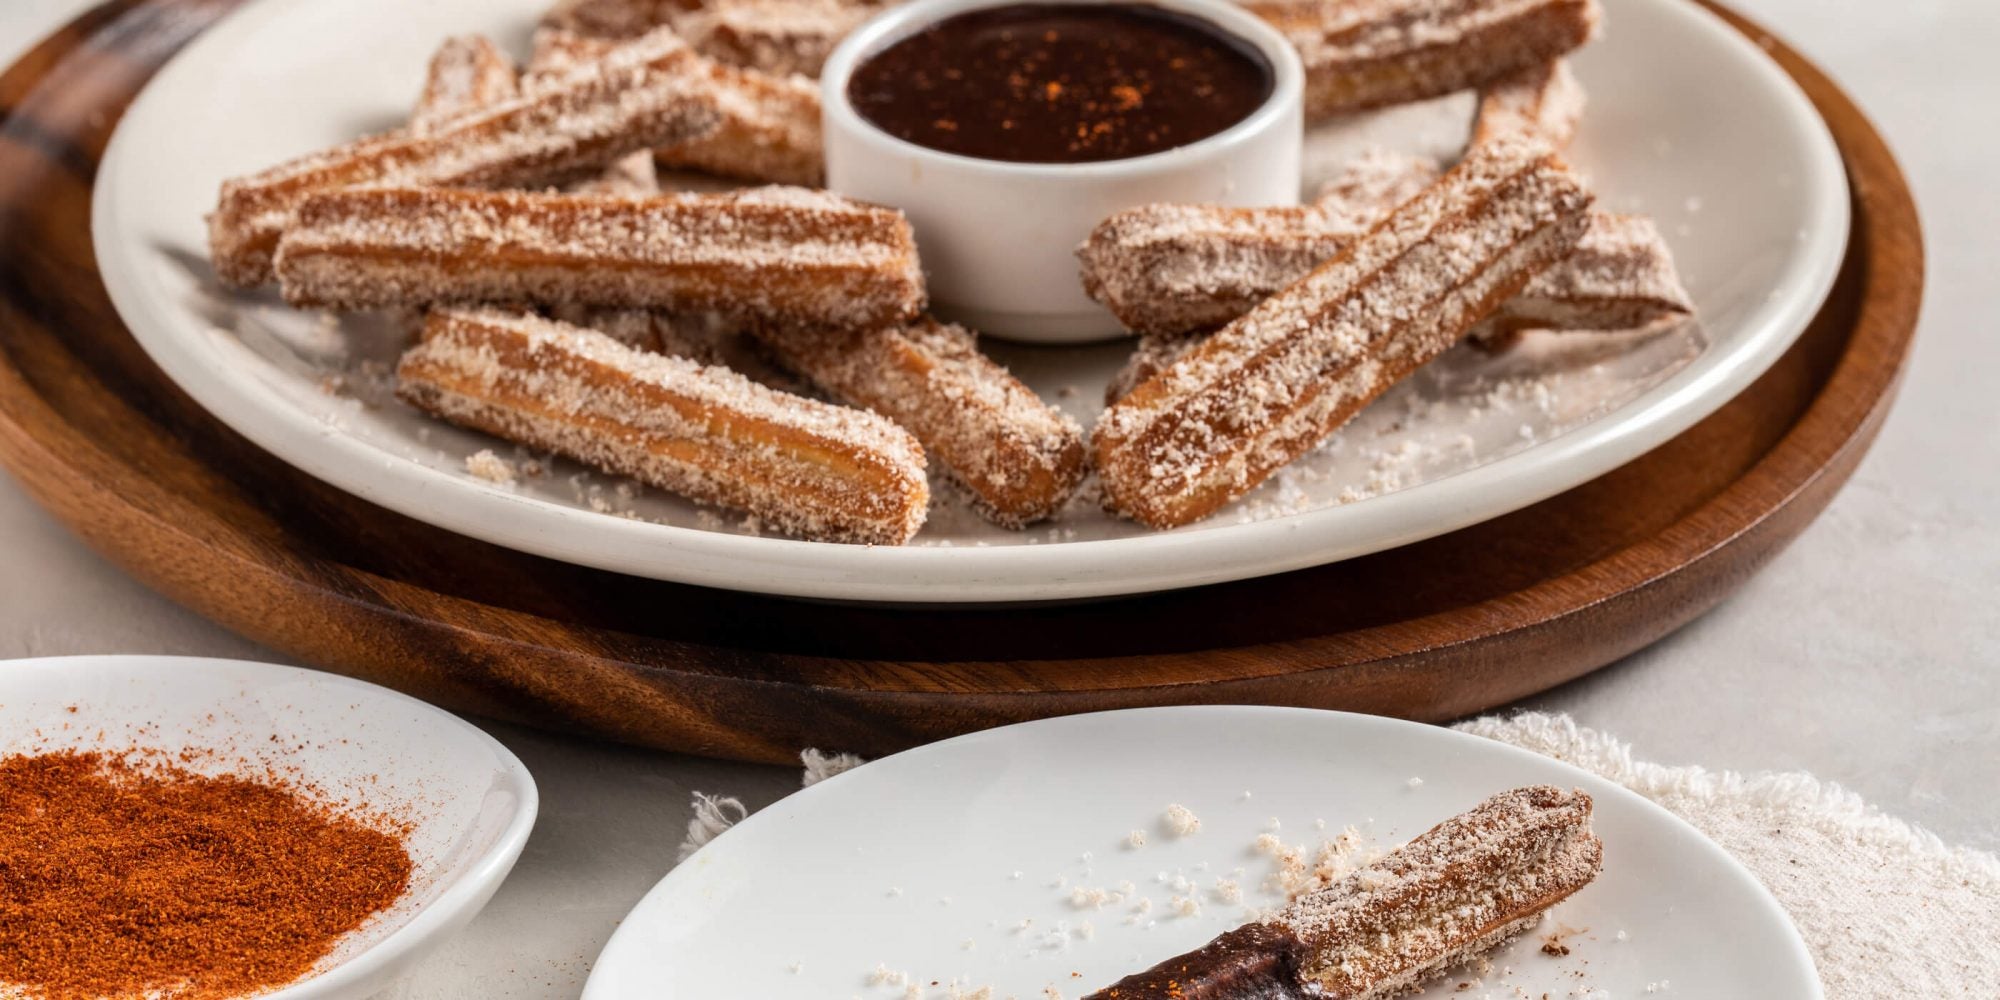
{"x": 958, "y": 862}
{"x": 471, "y": 801}
{"x": 1688, "y": 121}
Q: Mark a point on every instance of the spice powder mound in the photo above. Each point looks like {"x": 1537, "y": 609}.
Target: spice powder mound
{"x": 123, "y": 877}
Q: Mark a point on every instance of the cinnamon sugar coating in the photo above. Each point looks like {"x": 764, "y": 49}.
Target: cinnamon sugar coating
{"x": 811, "y": 469}
{"x": 614, "y": 19}
{"x": 466, "y": 74}
{"x": 780, "y": 37}
{"x": 1272, "y": 384}
{"x": 769, "y": 125}
{"x": 1543, "y": 102}
{"x": 1172, "y": 268}
{"x": 785, "y": 253}
{"x": 1456, "y": 892}
{"x": 1621, "y": 276}
{"x": 646, "y": 93}
{"x": 1362, "y": 54}
{"x": 1018, "y": 457}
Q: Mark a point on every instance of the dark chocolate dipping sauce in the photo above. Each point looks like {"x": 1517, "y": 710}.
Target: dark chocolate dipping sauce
{"x": 1062, "y": 83}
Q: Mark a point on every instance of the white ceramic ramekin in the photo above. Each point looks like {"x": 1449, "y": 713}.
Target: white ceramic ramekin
{"x": 999, "y": 239}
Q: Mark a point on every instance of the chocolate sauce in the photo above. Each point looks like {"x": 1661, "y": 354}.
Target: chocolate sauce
{"x": 1062, "y": 82}
{"x": 1252, "y": 962}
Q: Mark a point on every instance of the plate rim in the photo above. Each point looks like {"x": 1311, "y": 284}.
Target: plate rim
{"x": 770, "y": 814}
{"x": 431, "y": 925}
{"x": 944, "y": 575}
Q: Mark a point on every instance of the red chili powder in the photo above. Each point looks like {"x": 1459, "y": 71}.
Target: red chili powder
{"x": 124, "y": 879}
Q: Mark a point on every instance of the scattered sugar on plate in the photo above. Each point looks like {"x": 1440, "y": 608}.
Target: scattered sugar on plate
{"x": 1181, "y": 821}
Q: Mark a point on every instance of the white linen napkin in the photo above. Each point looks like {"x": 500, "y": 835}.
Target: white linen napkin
{"x": 1887, "y": 909}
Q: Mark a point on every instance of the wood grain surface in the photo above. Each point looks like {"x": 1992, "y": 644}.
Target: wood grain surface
{"x": 1434, "y": 630}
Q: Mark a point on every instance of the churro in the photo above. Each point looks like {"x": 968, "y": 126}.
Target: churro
{"x": 1544, "y": 102}
{"x": 1621, "y": 276}
{"x": 1362, "y": 54}
{"x": 769, "y": 126}
{"x": 1273, "y": 383}
{"x": 1459, "y": 890}
{"x": 1171, "y": 268}
{"x": 783, "y": 253}
{"x": 642, "y": 95}
{"x": 814, "y": 470}
{"x": 466, "y": 74}
{"x": 557, "y": 53}
{"x": 614, "y": 19}
{"x": 1017, "y": 456}
{"x": 781, "y": 37}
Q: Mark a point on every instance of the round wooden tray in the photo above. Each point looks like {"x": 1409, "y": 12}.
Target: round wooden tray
{"x": 1434, "y": 630}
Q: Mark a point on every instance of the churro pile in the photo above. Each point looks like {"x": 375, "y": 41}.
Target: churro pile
{"x": 768, "y": 350}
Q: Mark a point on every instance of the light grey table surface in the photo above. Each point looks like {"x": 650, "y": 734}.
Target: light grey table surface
{"x": 1868, "y": 653}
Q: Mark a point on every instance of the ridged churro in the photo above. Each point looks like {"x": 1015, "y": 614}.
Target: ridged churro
{"x": 614, "y": 19}
{"x": 810, "y": 469}
{"x": 781, "y": 37}
{"x": 1621, "y": 276}
{"x": 1019, "y": 457}
{"x": 769, "y": 126}
{"x": 1544, "y": 102}
{"x": 467, "y": 73}
{"x": 1459, "y": 890}
{"x": 781, "y": 253}
{"x": 1272, "y": 384}
{"x": 1362, "y": 54}
{"x": 1452, "y": 894}
{"x": 1171, "y": 268}
{"x": 646, "y": 93}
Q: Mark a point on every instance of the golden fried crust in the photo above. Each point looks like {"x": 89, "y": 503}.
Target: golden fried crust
{"x": 466, "y": 74}
{"x": 788, "y": 253}
{"x": 645, "y": 94}
{"x": 1374, "y": 53}
{"x": 1456, "y": 892}
{"x": 811, "y": 469}
{"x": 1272, "y": 384}
{"x": 1019, "y": 457}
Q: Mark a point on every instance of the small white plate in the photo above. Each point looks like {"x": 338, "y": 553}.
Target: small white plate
{"x": 958, "y": 861}
{"x": 471, "y": 801}
{"x": 1688, "y": 121}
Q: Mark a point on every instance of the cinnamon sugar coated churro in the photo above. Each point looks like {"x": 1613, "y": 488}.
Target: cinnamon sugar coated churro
{"x": 614, "y": 19}
{"x": 1373, "y": 53}
{"x": 1543, "y": 102}
{"x": 783, "y": 253}
{"x": 1459, "y": 890}
{"x": 467, "y": 73}
{"x": 811, "y": 469}
{"x": 1169, "y": 268}
{"x": 768, "y": 127}
{"x": 782, "y": 37}
{"x": 1621, "y": 276}
{"x": 1270, "y": 385}
{"x": 640, "y": 96}
{"x": 1019, "y": 457}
